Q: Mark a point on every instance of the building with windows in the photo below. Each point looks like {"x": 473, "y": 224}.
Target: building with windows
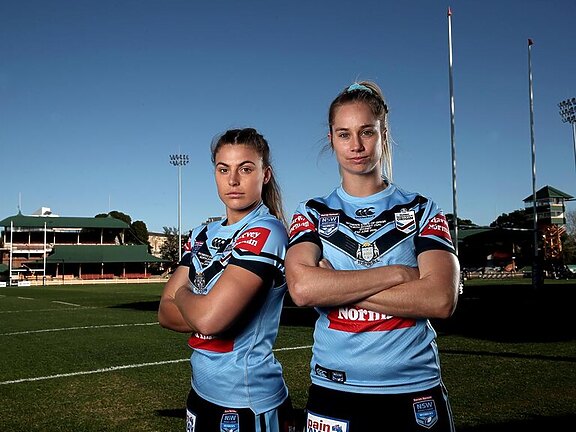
{"x": 46, "y": 247}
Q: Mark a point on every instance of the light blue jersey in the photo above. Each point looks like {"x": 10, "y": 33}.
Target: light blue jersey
{"x": 237, "y": 368}
{"x": 355, "y": 349}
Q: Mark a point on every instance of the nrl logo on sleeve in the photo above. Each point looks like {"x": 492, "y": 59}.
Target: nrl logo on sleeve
{"x": 328, "y": 224}
{"x": 405, "y": 221}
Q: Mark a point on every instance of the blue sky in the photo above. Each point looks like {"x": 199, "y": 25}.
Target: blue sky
{"x": 96, "y": 94}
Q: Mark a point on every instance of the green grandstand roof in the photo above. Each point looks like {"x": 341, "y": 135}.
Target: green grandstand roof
{"x": 549, "y": 192}
{"x": 21, "y": 220}
{"x": 101, "y": 254}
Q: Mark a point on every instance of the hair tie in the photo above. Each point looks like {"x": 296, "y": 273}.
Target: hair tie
{"x": 356, "y": 86}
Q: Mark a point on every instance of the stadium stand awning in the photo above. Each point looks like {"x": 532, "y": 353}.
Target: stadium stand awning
{"x": 22, "y": 221}
{"x": 79, "y": 254}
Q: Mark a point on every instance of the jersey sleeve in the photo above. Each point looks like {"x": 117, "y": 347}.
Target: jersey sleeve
{"x": 303, "y": 227}
{"x": 260, "y": 248}
{"x": 433, "y": 232}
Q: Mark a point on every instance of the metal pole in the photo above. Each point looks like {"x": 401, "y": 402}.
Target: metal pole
{"x": 179, "y": 213}
{"x": 535, "y": 265}
{"x": 568, "y": 114}
{"x": 44, "y": 258}
{"x": 454, "y": 201}
{"x": 574, "y": 141}
{"x": 179, "y": 160}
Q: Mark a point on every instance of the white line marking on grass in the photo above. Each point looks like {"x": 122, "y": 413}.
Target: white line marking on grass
{"x": 48, "y": 310}
{"x": 293, "y": 348}
{"x": 66, "y": 303}
{"x": 110, "y": 369}
{"x": 77, "y": 328}
{"x": 116, "y": 368}
{"x": 25, "y": 298}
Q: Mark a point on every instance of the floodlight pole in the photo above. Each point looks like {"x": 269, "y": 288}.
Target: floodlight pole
{"x": 179, "y": 160}
{"x": 536, "y": 264}
{"x": 568, "y": 114}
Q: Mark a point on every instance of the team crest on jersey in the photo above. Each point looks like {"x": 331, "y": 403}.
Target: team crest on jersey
{"x": 425, "y": 412}
{"x": 230, "y": 421}
{"x": 367, "y": 253}
{"x": 405, "y": 221}
{"x": 328, "y": 224}
{"x": 199, "y": 283}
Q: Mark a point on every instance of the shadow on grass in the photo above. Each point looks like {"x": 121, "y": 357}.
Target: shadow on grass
{"x": 514, "y": 314}
{"x": 140, "y": 306}
{"x": 174, "y": 412}
{"x": 535, "y": 423}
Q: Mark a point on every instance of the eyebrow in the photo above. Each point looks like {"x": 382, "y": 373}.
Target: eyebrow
{"x": 240, "y": 164}
{"x": 371, "y": 125}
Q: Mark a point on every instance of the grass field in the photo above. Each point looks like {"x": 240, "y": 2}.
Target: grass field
{"x": 93, "y": 358}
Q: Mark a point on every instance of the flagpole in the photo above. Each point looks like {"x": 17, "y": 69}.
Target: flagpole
{"x": 451, "y": 80}
{"x": 536, "y": 268}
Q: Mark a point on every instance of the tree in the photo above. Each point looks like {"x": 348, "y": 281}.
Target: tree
{"x": 121, "y": 216}
{"x": 516, "y": 219}
{"x": 461, "y": 222}
{"x": 569, "y": 238}
{"x": 169, "y": 249}
{"x": 140, "y": 231}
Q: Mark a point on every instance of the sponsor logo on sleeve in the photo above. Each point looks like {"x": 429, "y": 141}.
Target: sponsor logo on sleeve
{"x": 405, "y": 221}
{"x": 437, "y": 226}
{"x": 300, "y": 223}
{"x": 328, "y": 224}
{"x": 210, "y": 343}
{"x": 252, "y": 240}
{"x": 358, "y": 320}
{"x": 425, "y": 412}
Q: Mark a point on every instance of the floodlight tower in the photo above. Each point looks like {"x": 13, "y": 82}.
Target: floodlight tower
{"x": 179, "y": 160}
{"x": 568, "y": 114}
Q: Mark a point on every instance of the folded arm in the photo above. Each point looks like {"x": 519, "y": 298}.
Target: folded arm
{"x": 214, "y": 312}
{"x": 433, "y": 295}
{"x": 314, "y": 284}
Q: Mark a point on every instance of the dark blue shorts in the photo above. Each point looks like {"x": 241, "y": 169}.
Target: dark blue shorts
{"x": 204, "y": 416}
{"x": 331, "y": 410}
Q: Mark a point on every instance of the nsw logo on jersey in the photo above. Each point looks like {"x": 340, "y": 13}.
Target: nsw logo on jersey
{"x": 252, "y": 240}
{"x": 230, "y": 421}
{"x": 358, "y": 320}
{"x": 328, "y": 224}
{"x": 300, "y": 223}
{"x": 405, "y": 221}
{"x": 425, "y": 411}
{"x": 437, "y": 226}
